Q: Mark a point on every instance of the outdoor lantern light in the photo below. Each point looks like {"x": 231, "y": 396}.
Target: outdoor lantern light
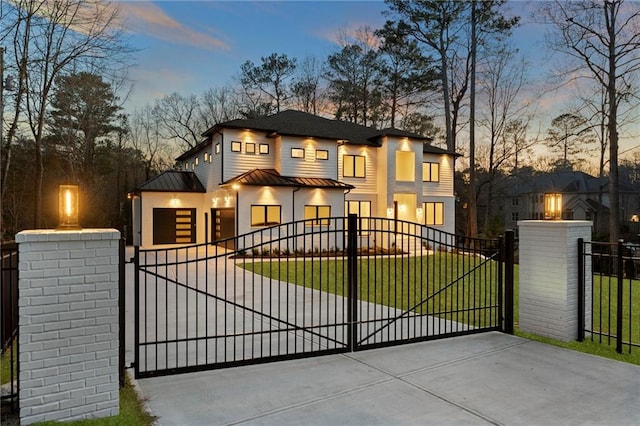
{"x": 553, "y": 206}
{"x": 68, "y": 207}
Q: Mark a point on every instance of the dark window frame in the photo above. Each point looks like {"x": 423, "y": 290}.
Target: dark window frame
{"x": 352, "y": 158}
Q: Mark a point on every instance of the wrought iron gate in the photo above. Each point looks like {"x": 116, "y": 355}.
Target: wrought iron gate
{"x": 314, "y": 287}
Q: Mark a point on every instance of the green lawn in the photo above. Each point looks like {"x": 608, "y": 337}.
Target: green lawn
{"x": 605, "y": 293}
{"x": 5, "y": 365}
{"x": 450, "y": 286}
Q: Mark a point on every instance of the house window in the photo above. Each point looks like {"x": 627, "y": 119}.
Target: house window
{"x": 236, "y": 146}
{"x": 322, "y": 154}
{"x": 317, "y": 215}
{"x": 514, "y": 216}
{"x": 264, "y": 148}
{"x": 514, "y": 201}
{"x": 353, "y": 166}
{"x": 405, "y": 166}
{"x": 433, "y": 213}
{"x": 217, "y": 148}
{"x": 250, "y": 148}
{"x": 265, "y": 215}
{"x": 297, "y": 153}
{"x": 193, "y": 166}
{"x": 197, "y": 160}
{"x": 362, "y": 209}
{"x": 431, "y": 172}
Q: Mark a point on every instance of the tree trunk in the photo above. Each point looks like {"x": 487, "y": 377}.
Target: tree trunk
{"x": 612, "y": 125}
{"x": 473, "y": 209}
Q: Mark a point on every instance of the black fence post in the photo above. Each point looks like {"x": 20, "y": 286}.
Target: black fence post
{"x": 581, "y": 289}
{"x": 352, "y": 280}
{"x": 509, "y": 280}
{"x": 620, "y": 273}
{"x": 136, "y": 311}
{"x": 121, "y": 311}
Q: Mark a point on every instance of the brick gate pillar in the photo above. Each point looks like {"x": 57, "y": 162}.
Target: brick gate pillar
{"x": 68, "y": 324}
{"x": 548, "y": 292}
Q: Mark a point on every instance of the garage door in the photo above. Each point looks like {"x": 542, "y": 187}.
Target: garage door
{"x": 174, "y": 226}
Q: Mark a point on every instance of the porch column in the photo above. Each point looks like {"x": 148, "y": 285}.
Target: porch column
{"x": 549, "y": 277}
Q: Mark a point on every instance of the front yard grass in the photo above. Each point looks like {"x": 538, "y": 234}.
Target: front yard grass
{"x": 447, "y": 285}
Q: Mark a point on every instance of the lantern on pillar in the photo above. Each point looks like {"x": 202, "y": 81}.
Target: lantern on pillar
{"x": 68, "y": 207}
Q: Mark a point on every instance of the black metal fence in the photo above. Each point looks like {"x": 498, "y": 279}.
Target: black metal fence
{"x": 315, "y": 287}
{"x": 610, "y": 312}
{"x": 9, "y": 327}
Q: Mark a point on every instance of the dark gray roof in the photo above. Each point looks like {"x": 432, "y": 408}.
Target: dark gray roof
{"x": 298, "y": 123}
{"x": 172, "y": 181}
{"x": 429, "y": 149}
{"x": 271, "y": 177}
{"x": 194, "y": 150}
{"x": 567, "y": 181}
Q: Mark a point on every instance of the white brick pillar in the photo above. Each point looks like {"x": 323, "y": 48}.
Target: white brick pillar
{"x": 548, "y": 292}
{"x": 68, "y": 324}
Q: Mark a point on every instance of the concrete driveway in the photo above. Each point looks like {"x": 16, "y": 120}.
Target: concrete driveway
{"x": 489, "y": 378}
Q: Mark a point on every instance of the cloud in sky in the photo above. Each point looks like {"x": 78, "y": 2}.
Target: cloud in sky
{"x": 145, "y": 18}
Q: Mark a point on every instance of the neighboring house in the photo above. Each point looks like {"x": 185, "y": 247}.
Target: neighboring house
{"x": 253, "y": 173}
{"x": 567, "y": 195}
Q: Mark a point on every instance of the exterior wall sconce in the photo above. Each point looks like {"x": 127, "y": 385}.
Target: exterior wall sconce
{"x": 68, "y": 208}
{"x": 174, "y": 202}
{"x": 419, "y": 214}
{"x": 235, "y": 186}
{"x": 390, "y": 213}
{"x": 553, "y": 206}
{"x": 635, "y": 218}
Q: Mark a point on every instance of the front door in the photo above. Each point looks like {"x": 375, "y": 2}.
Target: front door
{"x": 223, "y": 226}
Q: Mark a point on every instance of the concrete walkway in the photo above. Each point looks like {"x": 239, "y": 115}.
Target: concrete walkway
{"x": 489, "y": 378}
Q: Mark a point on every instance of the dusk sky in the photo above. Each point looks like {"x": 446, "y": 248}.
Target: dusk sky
{"x": 190, "y": 46}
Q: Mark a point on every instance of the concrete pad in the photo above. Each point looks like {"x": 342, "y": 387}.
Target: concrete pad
{"x": 489, "y": 378}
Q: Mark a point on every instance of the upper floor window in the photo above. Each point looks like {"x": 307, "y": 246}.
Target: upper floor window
{"x": 265, "y": 215}
{"x": 405, "y": 166}
{"x": 514, "y": 216}
{"x": 217, "y": 148}
{"x": 322, "y": 154}
{"x": 317, "y": 215}
{"x": 514, "y": 201}
{"x": 353, "y": 166}
{"x": 297, "y": 153}
{"x": 236, "y": 146}
{"x": 431, "y": 172}
{"x": 197, "y": 160}
{"x": 205, "y": 157}
{"x": 264, "y": 148}
{"x": 250, "y": 148}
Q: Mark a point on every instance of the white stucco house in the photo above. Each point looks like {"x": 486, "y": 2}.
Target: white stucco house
{"x": 253, "y": 173}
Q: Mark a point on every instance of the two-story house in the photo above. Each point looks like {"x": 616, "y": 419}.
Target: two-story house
{"x": 253, "y": 173}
